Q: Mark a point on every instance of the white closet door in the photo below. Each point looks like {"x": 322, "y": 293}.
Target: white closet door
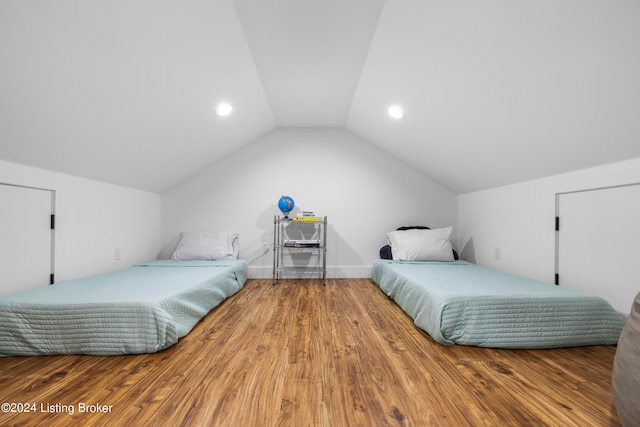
{"x": 599, "y": 243}
{"x": 25, "y": 238}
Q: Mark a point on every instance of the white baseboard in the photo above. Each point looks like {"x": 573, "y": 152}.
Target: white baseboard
{"x": 334, "y": 272}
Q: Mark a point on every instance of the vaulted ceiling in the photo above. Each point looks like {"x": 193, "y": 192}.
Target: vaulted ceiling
{"x": 495, "y": 92}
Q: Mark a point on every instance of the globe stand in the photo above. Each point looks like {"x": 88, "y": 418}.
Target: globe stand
{"x": 286, "y": 205}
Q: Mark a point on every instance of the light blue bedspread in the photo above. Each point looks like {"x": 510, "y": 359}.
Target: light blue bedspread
{"x": 463, "y": 303}
{"x": 142, "y": 309}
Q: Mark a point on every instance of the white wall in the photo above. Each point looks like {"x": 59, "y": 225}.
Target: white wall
{"x": 92, "y": 219}
{"x": 519, "y": 219}
{"x": 363, "y": 191}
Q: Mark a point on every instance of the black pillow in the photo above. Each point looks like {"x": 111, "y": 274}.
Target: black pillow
{"x": 385, "y": 251}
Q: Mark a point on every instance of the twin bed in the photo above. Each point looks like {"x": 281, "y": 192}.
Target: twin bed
{"x": 457, "y": 302}
{"x": 142, "y": 309}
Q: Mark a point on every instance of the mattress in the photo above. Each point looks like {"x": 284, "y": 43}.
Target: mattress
{"x": 142, "y": 309}
{"x": 463, "y": 303}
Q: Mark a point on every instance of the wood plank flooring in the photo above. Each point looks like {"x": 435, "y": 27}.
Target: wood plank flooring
{"x": 303, "y": 354}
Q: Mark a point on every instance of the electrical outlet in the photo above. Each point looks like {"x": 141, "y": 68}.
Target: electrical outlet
{"x": 118, "y": 254}
{"x": 496, "y": 253}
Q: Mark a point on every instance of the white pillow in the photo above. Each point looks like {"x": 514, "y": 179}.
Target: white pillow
{"x": 421, "y": 245}
{"x": 206, "y": 245}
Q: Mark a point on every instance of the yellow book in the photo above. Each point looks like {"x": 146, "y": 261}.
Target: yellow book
{"x": 307, "y": 218}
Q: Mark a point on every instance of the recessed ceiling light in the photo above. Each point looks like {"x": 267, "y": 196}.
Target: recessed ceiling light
{"x": 396, "y": 111}
{"x": 223, "y": 109}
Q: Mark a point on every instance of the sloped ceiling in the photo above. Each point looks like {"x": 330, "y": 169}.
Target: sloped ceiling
{"x": 124, "y": 91}
{"x": 495, "y": 92}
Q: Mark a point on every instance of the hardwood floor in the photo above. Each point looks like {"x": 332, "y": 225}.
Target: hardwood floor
{"x": 303, "y": 354}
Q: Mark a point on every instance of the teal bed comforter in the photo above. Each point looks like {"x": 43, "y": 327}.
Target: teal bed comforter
{"x": 463, "y": 303}
{"x": 142, "y": 309}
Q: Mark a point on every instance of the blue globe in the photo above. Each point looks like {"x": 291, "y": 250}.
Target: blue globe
{"x": 285, "y": 204}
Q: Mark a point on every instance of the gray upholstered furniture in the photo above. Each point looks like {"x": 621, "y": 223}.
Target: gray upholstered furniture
{"x": 626, "y": 370}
